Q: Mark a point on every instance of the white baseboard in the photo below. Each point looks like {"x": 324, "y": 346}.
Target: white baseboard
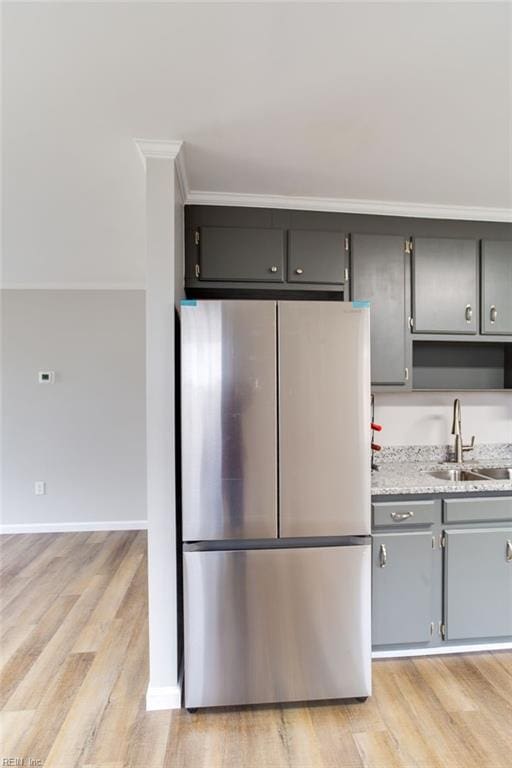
{"x": 99, "y": 525}
{"x": 441, "y": 650}
{"x": 163, "y": 697}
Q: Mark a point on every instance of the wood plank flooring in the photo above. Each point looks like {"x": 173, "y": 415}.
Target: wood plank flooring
{"x": 74, "y": 672}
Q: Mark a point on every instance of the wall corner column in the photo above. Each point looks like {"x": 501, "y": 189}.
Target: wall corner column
{"x": 161, "y": 170}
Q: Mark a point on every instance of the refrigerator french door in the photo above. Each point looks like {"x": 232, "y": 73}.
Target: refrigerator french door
{"x": 276, "y": 501}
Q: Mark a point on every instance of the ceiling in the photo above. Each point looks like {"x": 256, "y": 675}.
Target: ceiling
{"x": 392, "y": 102}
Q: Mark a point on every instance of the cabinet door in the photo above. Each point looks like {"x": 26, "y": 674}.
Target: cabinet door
{"x": 496, "y": 287}
{"x": 403, "y": 584}
{"x": 478, "y": 583}
{"x": 232, "y": 253}
{"x": 379, "y": 267}
{"x": 316, "y": 257}
{"x": 445, "y": 286}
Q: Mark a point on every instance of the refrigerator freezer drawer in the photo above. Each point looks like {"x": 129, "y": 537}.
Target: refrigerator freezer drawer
{"x": 275, "y": 625}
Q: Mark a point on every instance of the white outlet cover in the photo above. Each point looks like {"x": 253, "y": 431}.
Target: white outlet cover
{"x": 46, "y": 377}
{"x": 39, "y": 487}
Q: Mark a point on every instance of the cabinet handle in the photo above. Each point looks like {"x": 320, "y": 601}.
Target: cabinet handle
{"x": 493, "y": 314}
{"x": 299, "y": 271}
{"x": 509, "y": 551}
{"x": 406, "y": 374}
{"x": 383, "y": 556}
{"x": 469, "y": 313}
{"x": 273, "y": 268}
{"x": 398, "y": 516}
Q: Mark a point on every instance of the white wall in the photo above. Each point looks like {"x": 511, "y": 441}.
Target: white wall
{"x": 84, "y": 435}
{"x": 425, "y": 418}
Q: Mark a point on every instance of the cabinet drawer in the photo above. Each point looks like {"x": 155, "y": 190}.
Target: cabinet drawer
{"x": 316, "y": 257}
{"x": 477, "y": 510}
{"x": 404, "y": 513}
{"x": 231, "y": 253}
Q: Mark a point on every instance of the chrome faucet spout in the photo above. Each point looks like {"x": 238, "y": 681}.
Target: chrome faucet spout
{"x": 459, "y": 447}
{"x": 456, "y": 424}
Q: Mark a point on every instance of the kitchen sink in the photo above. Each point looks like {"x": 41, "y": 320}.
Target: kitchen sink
{"x": 458, "y": 475}
{"x": 496, "y": 473}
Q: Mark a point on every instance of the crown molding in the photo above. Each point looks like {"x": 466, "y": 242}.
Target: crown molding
{"x": 167, "y": 150}
{"x": 159, "y": 148}
{"x": 175, "y": 150}
{"x": 341, "y": 205}
{"x": 181, "y": 173}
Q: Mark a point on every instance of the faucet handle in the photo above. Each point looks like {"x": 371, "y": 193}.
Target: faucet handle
{"x": 470, "y": 446}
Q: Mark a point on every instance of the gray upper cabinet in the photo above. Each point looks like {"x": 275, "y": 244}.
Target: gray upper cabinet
{"x": 478, "y": 583}
{"x": 404, "y": 588}
{"x": 241, "y": 254}
{"x": 445, "y": 286}
{"x": 316, "y": 257}
{"x": 496, "y": 287}
{"x": 380, "y": 275}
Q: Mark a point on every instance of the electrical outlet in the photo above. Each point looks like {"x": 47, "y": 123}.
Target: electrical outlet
{"x": 46, "y": 377}
{"x": 40, "y": 488}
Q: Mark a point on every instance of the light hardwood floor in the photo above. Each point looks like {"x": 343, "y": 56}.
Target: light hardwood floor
{"x": 74, "y": 674}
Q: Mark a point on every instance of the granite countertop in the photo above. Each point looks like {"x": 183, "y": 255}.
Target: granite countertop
{"x": 406, "y": 470}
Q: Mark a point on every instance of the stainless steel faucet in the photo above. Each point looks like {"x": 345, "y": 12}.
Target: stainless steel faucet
{"x": 459, "y": 447}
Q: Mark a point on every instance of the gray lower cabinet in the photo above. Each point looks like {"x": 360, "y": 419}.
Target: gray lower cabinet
{"x": 380, "y": 275}
{"x": 496, "y": 287}
{"x": 241, "y": 254}
{"x": 445, "y": 285}
{"x": 478, "y": 583}
{"x": 403, "y": 588}
{"x": 317, "y": 257}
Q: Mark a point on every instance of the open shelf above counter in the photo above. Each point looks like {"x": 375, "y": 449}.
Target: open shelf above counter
{"x": 460, "y": 365}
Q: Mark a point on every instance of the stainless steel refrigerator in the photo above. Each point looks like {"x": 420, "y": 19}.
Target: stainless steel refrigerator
{"x": 276, "y": 501}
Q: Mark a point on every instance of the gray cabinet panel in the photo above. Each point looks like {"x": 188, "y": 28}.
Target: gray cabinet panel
{"x": 478, "y": 583}
{"x": 379, "y": 268}
{"x": 316, "y": 257}
{"x": 496, "y": 287}
{"x": 404, "y": 513}
{"x": 445, "y": 285}
{"x": 403, "y": 583}
{"x": 231, "y": 253}
{"x": 477, "y": 510}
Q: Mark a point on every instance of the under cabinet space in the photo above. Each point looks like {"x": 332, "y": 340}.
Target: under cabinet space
{"x": 461, "y": 365}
